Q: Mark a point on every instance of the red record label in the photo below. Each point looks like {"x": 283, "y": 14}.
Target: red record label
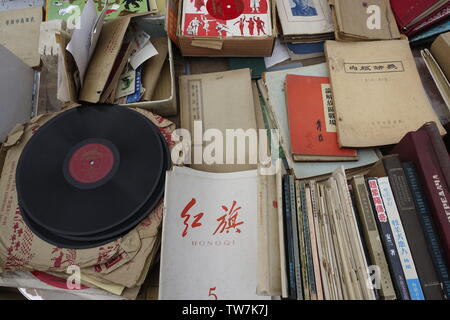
{"x": 91, "y": 163}
{"x": 225, "y": 9}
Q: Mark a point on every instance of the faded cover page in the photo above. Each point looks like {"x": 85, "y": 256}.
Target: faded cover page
{"x": 19, "y": 33}
{"x": 103, "y": 58}
{"x": 304, "y": 17}
{"x": 377, "y": 92}
{"x": 440, "y": 50}
{"x": 352, "y": 18}
{"x": 438, "y": 75}
{"x": 153, "y": 66}
{"x": 221, "y": 100}
{"x": 312, "y": 121}
{"x": 16, "y": 90}
{"x": 209, "y": 237}
{"x": 269, "y": 264}
{"x": 276, "y": 101}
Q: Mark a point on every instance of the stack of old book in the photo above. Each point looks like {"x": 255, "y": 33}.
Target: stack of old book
{"x": 356, "y": 20}
{"x": 305, "y": 25}
{"x": 381, "y": 235}
{"x": 355, "y": 224}
{"x": 306, "y": 21}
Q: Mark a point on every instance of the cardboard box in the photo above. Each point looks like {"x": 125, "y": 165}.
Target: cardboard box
{"x": 165, "y": 91}
{"x": 440, "y": 50}
{"x": 216, "y": 46}
{"x": 97, "y": 85}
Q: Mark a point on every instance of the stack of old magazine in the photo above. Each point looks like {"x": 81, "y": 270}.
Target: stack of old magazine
{"x": 305, "y": 25}
{"x": 306, "y": 21}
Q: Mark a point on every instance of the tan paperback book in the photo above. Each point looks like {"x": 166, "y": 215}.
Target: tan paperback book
{"x": 378, "y": 95}
{"x": 355, "y": 20}
{"x": 218, "y": 101}
{"x": 19, "y": 33}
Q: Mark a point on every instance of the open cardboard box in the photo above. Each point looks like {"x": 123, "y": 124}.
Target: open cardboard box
{"x": 165, "y": 102}
{"x": 218, "y": 46}
{"x": 101, "y": 73}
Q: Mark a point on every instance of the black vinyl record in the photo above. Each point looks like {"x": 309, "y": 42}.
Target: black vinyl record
{"x": 73, "y": 242}
{"x": 89, "y": 170}
{"x": 138, "y": 216}
{"x": 57, "y": 240}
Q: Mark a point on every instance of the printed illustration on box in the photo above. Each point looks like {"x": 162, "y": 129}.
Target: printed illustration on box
{"x": 71, "y": 9}
{"x": 225, "y": 18}
{"x": 303, "y": 8}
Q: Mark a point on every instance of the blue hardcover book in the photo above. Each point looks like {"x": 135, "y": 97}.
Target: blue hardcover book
{"x": 429, "y": 228}
{"x": 388, "y": 241}
{"x": 430, "y": 34}
{"x": 136, "y": 96}
{"x": 306, "y": 48}
{"x": 289, "y": 238}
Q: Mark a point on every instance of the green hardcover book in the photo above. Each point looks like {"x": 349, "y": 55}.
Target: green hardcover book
{"x": 72, "y": 9}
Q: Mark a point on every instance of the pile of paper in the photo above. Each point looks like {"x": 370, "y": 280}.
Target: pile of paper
{"x": 359, "y": 21}
{"x": 116, "y": 66}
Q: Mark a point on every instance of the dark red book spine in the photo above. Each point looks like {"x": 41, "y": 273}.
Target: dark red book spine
{"x": 417, "y": 147}
{"x": 439, "y": 149}
{"x": 407, "y": 10}
{"x": 442, "y": 14}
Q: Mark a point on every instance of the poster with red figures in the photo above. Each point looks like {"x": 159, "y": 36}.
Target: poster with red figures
{"x": 226, "y": 18}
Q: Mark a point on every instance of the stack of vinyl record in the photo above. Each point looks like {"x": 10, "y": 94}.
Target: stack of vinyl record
{"x": 90, "y": 175}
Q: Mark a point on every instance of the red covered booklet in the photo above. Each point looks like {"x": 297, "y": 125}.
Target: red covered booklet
{"x": 312, "y": 122}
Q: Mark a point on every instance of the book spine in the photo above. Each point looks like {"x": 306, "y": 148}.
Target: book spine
{"x": 307, "y": 239}
{"x": 314, "y": 252}
{"x": 428, "y": 226}
{"x": 401, "y": 241}
{"x": 416, "y": 146}
{"x": 434, "y": 18}
{"x": 413, "y": 229}
{"x": 318, "y": 226}
{"x": 302, "y": 245}
{"x": 359, "y": 225}
{"x": 287, "y": 221}
{"x": 365, "y": 251}
{"x": 439, "y": 149}
{"x": 372, "y": 237}
{"x": 315, "y": 226}
{"x": 298, "y": 271}
{"x": 387, "y": 240}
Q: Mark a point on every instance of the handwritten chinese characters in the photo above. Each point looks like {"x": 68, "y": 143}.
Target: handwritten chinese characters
{"x": 378, "y": 202}
{"x": 229, "y": 221}
{"x": 319, "y": 130}
{"x": 16, "y": 21}
{"x": 328, "y": 108}
{"x": 378, "y": 67}
{"x": 184, "y": 214}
